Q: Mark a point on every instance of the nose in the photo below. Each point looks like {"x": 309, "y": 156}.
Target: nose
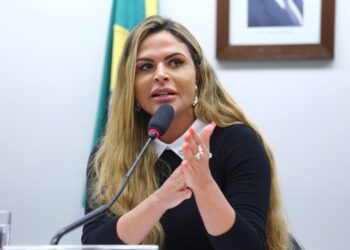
{"x": 160, "y": 74}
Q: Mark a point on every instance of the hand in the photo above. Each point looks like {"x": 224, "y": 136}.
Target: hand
{"x": 174, "y": 190}
{"x": 195, "y": 167}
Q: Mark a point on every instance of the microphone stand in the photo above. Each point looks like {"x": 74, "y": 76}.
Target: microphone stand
{"x": 99, "y": 211}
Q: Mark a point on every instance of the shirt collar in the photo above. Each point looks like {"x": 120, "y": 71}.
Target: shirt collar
{"x": 176, "y": 146}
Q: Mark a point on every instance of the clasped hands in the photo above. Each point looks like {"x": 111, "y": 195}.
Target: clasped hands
{"x": 193, "y": 175}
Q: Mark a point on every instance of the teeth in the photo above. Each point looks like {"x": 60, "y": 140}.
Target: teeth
{"x": 164, "y": 93}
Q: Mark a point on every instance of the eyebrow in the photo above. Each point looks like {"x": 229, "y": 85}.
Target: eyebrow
{"x": 166, "y": 58}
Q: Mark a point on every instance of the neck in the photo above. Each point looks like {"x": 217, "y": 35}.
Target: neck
{"x": 178, "y": 127}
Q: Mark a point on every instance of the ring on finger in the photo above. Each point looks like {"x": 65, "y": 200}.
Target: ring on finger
{"x": 198, "y": 156}
{"x": 200, "y": 150}
{"x": 199, "y": 153}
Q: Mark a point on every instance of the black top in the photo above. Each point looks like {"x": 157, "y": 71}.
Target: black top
{"x": 240, "y": 167}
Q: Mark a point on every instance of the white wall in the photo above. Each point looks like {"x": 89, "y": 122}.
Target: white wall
{"x": 51, "y": 57}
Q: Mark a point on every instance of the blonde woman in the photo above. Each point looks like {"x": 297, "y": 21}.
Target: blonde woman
{"x": 208, "y": 183}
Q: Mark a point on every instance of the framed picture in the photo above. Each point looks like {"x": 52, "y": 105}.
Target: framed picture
{"x": 275, "y": 29}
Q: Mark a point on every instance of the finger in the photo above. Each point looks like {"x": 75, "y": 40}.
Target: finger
{"x": 184, "y": 166}
{"x": 206, "y": 132}
{"x": 187, "y": 193}
{"x": 177, "y": 179}
{"x": 187, "y": 169}
{"x": 186, "y": 149}
{"x": 203, "y": 138}
{"x": 198, "y": 146}
{"x": 189, "y": 139}
{"x": 198, "y": 142}
{"x": 190, "y": 158}
{"x": 176, "y": 174}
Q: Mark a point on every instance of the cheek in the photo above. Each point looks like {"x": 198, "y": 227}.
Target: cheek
{"x": 189, "y": 86}
{"x": 142, "y": 88}
{"x": 187, "y": 94}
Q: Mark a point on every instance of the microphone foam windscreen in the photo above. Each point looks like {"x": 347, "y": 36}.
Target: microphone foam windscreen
{"x": 161, "y": 119}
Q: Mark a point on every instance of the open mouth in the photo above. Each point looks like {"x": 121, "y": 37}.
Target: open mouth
{"x": 162, "y": 94}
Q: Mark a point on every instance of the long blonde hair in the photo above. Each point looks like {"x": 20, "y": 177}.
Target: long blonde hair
{"x": 125, "y": 134}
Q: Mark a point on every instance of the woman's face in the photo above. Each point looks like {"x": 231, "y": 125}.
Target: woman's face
{"x": 165, "y": 73}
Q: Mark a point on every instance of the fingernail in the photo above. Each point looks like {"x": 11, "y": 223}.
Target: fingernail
{"x": 191, "y": 131}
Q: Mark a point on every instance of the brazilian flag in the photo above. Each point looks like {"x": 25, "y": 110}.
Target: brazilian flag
{"x": 125, "y": 15}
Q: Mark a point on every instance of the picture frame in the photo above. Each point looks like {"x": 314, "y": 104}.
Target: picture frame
{"x": 292, "y": 45}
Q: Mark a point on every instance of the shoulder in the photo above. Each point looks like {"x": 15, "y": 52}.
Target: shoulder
{"x": 237, "y": 133}
{"x": 238, "y": 144}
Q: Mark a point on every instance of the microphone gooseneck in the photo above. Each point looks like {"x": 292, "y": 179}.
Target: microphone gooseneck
{"x": 157, "y": 126}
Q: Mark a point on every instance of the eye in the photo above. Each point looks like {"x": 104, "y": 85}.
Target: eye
{"x": 176, "y": 62}
{"x": 145, "y": 66}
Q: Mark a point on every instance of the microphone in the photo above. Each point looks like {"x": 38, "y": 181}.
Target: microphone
{"x": 160, "y": 121}
{"x": 157, "y": 126}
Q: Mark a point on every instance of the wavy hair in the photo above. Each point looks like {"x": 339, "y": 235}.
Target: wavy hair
{"x": 125, "y": 134}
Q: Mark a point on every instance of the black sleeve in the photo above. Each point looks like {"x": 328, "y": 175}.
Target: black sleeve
{"x": 244, "y": 171}
{"x": 102, "y": 230}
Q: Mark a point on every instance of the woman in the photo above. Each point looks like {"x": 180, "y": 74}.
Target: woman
{"x": 209, "y": 182}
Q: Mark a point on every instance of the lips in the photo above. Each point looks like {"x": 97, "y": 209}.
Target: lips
{"x": 163, "y": 95}
{"x": 162, "y": 92}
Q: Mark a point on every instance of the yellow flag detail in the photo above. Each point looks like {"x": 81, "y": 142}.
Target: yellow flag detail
{"x": 150, "y": 8}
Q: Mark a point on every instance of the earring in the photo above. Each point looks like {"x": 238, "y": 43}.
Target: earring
{"x": 137, "y": 107}
{"x": 195, "y": 101}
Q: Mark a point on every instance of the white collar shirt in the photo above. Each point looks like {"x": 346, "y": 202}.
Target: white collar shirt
{"x": 176, "y": 146}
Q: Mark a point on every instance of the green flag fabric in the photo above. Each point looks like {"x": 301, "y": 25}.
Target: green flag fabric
{"x": 125, "y": 15}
